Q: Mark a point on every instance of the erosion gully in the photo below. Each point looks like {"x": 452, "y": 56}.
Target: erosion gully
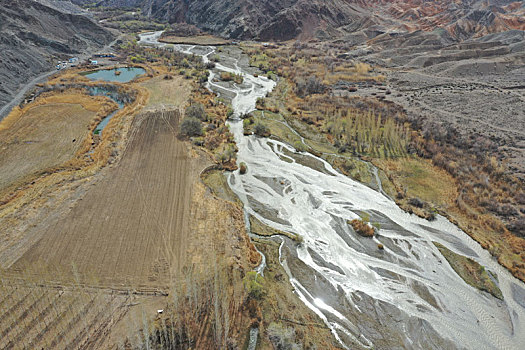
{"x": 362, "y": 293}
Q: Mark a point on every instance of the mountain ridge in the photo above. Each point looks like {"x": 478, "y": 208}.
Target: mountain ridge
{"x": 32, "y": 34}
{"x": 303, "y": 19}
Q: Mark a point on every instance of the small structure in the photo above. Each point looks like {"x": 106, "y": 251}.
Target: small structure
{"x": 94, "y": 63}
{"x": 73, "y": 59}
{"x": 101, "y": 55}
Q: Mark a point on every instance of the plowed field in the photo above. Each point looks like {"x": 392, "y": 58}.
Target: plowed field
{"x": 131, "y": 227}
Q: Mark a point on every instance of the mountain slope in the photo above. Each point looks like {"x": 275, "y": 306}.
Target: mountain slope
{"x": 288, "y": 19}
{"x": 31, "y": 34}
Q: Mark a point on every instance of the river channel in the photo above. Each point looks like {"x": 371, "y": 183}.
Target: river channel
{"x": 406, "y": 295}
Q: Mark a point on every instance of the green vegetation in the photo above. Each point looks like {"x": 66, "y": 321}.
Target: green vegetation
{"x": 366, "y": 134}
{"x": 262, "y": 130}
{"x": 254, "y": 285}
{"x": 260, "y": 229}
{"x": 261, "y": 61}
{"x": 191, "y": 126}
{"x": 470, "y": 271}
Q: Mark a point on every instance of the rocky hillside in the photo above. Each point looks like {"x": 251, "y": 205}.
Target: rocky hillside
{"x": 33, "y": 36}
{"x": 288, "y": 19}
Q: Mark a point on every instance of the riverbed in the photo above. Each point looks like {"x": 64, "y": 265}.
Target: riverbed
{"x": 405, "y": 295}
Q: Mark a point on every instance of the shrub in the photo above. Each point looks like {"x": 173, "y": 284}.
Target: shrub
{"x": 312, "y": 86}
{"x": 299, "y": 146}
{"x": 261, "y": 102}
{"x": 191, "y": 127}
{"x": 195, "y": 111}
{"x": 362, "y": 228}
{"x": 253, "y": 283}
{"x": 243, "y": 168}
{"x": 261, "y": 130}
{"x": 416, "y": 202}
{"x": 282, "y": 338}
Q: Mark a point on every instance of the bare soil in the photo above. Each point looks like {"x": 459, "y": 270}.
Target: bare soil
{"x": 131, "y": 227}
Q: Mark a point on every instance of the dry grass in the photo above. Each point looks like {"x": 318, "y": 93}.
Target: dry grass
{"x": 167, "y": 93}
{"x": 46, "y": 134}
{"x": 205, "y": 40}
{"x": 420, "y": 179}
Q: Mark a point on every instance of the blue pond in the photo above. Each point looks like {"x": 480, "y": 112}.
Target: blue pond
{"x": 100, "y": 91}
{"x": 126, "y": 74}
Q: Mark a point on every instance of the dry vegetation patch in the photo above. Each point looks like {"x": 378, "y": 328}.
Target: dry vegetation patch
{"x": 43, "y": 137}
{"x": 167, "y": 93}
{"x": 204, "y": 40}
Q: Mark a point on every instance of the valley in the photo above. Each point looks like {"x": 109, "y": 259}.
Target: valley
{"x": 263, "y": 175}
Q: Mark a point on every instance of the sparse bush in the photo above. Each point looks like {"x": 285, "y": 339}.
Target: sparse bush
{"x": 362, "y": 227}
{"x": 253, "y": 283}
{"x": 191, "y": 127}
{"x": 282, "y": 338}
{"x": 261, "y": 130}
{"x": 311, "y": 86}
{"x": 243, "y": 168}
{"x": 195, "y": 111}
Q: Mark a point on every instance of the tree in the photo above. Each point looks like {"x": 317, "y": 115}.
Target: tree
{"x": 195, "y": 110}
{"x": 261, "y": 130}
{"x": 191, "y": 126}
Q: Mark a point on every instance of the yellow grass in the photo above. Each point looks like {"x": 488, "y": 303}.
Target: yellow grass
{"x": 421, "y": 179}
{"x": 167, "y": 92}
{"x": 195, "y": 40}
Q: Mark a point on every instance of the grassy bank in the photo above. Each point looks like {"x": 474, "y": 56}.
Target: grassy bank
{"x": 471, "y": 272}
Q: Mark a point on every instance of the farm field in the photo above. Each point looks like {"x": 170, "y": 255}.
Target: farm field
{"x": 93, "y": 267}
{"x": 41, "y": 317}
{"x": 43, "y": 137}
{"x": 167, "y": 93}
{"x": 131, "y": 227}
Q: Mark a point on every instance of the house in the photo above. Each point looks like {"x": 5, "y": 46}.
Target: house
{"x": 73, "y": 59}
{"x": 94, "y": 63}
{"x": 108, "y": 55}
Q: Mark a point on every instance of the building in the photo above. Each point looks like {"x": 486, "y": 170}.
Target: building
{"x": 94, "y": 63}
{"x": 105, "y": 55}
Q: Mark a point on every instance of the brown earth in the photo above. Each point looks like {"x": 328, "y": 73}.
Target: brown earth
{"x": 126, "y": 228}
{"x": 94, "y": 246}
{"x": 194, "y": 40}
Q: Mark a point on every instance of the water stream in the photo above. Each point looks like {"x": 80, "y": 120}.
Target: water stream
{"x": 406, "y": 294}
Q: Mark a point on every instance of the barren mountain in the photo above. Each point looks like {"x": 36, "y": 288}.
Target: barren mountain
{"x": 32, "y": 34}
{"x": 288, "y": 19}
